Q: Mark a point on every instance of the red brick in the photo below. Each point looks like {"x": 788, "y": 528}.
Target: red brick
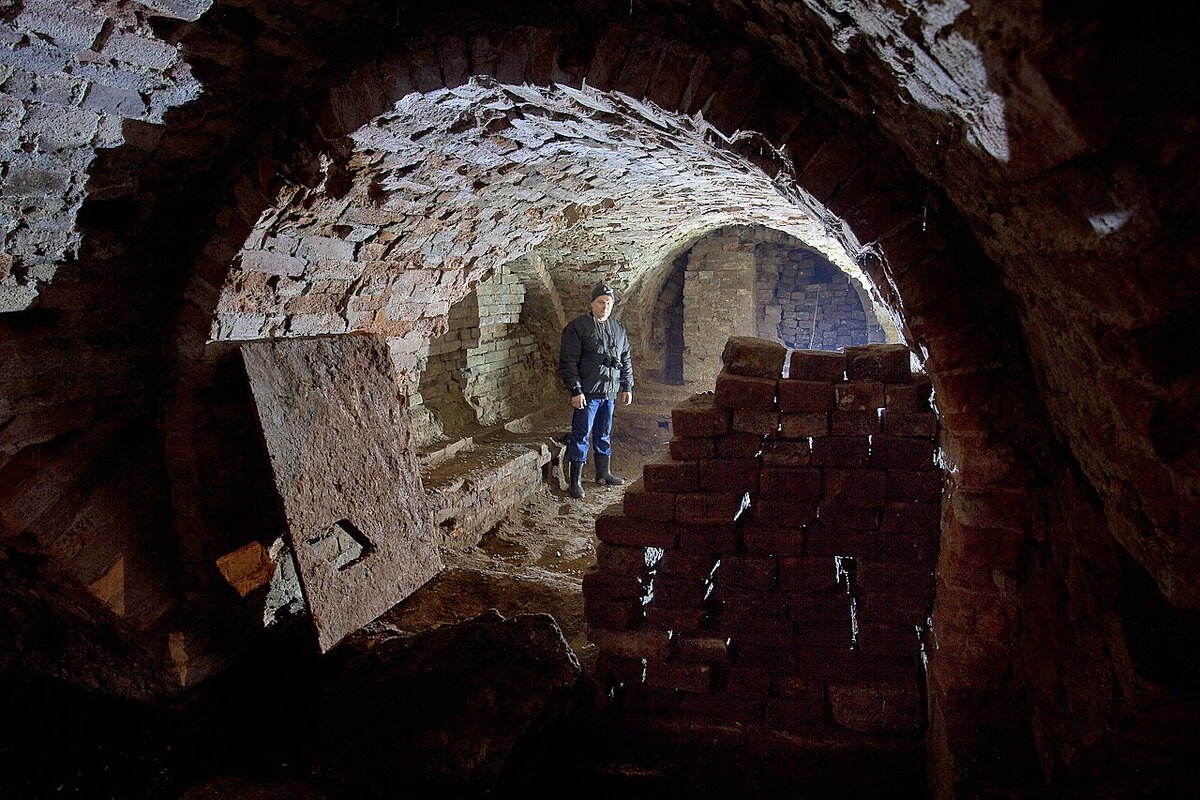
{"x": 678, "y": 593}
{"x": 747, "y": 629}
{"x": 619, "y": 560}
{"x": 761, "y": 602}
{"x": 859, "y": 396}
{"x": 641, "y": 504}
{"x": 729, "y": 475}
{"x": 652, "y": 701}
{"x": 785, "y": 454}
{"x": 853, "y": 518}
{"x": 670, "y": 477}
{"x": 619, "y": 670}
{"x": 810, "y": 573}
{"x": 784, "y": 514}
{"x": 833, "y": 633}
{"x": 876, "y": 707}
{"x": 612, "y": 615}
{"x": 758, "y": 540}
{"x": 694, "y": 566}
{"x": 895, "y": 578}
{"x": 908, "y": 548}
{"x": 837, "y": 158}
{"x": 613, "y": 527}
{"x": 790, "y": 483}
{"x": 914, "y": 485}
{"x": 761, "y": 656}
{"x": 748, "y": 572}
{"x": 738, "y": 445}
{"x": 877, "y": 667}
{"x": 887, "y": 363}
{"x": 822, "y": 540}
{"x": 795, "y": 715}
{"x": 919, "y": 425}
{"x": 715, "y": 539}
{"x": 824, "y": 663}
{"x": 797, "y": 687}
{"x": 702, "y": 648}
{"x": 723, "y": 707}
{"x": 841, "y": 451}
{"x": 909, "y": 398}
{"x": 692, "y": 449}
{"x": 714, "y": 508}
{"x": 685, "y": 677}
{"x": 850, "y": 423}
{"x": 805, "y": 396}
{"x": 816, "y": 365}
{"x": 740, "y": 392}
{"x": 895, "y": 640}
{"x": 802, "y": 426}
{"x": 919, "y": 518}
{"x": 892, "y": 453}
{"x": 830, "y": 607}
{"x": 760, "y": 358}
{"x": 748, "y": 682}
{"x": 1006, "y": 510}
{"x": 698, "y": 416}
{"x": 863, "y": 488}
{"x": 632, "y": 644}
{"x": 675, "y": 619}
{"x": 976, "y": 552}
{"x": 608, "y": 586}
{"x": 671, "y": 77}
{"x": 883, "y": 608}
{"x": 763, "y": 423}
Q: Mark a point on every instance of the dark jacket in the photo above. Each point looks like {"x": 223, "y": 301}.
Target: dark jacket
{"x": 588, "y": 365}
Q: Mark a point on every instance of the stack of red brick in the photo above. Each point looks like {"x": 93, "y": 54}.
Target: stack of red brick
{"x": 802, "y": 610}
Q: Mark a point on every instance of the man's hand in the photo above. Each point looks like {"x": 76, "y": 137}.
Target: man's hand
{"x": 626, "y": 398}
{"x": 578, "y": 401}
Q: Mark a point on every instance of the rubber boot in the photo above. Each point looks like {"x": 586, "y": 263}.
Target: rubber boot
{"x": 576, "y": 480}
{"x": 603, "y": 475}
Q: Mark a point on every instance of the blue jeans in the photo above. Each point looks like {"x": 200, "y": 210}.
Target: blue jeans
{"x": 594, "y": 418}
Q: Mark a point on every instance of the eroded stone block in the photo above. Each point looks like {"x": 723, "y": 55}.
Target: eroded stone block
{"x": 343, "y": 461}
{"x": 888, "y": 363}
{"x": 760, "y": 358}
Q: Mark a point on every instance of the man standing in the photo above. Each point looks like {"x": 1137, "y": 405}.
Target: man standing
{"x": 596, "y": 368}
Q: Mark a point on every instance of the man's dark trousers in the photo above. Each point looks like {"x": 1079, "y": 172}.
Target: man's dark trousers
{"x": 595, "y": 418}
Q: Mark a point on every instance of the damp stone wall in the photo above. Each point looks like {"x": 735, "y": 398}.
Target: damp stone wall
{"x": 774, "y": 566}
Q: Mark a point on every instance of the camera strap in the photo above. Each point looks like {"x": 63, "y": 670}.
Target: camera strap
{"x": 603, "y": 333}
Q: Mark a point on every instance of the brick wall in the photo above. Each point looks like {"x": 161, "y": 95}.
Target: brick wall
{"x": 774, "y": 567}
{"x": 486, "y": 368}
{"x": 807, "y": 302}
{"x": 753, "y": 281}
{"x": 667, "y": 332}
{"x": 718, "y": 302}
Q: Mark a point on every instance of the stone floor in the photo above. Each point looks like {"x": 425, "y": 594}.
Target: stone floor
{"x": 532, "y": 562}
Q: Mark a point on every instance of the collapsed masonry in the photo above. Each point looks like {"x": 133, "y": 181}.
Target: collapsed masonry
{"x": 776, "y": 569}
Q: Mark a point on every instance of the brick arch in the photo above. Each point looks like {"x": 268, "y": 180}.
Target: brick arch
{"x": 649, "y": 284}
{"x": 927, "y": 257}
{"x": 916, "y": 249}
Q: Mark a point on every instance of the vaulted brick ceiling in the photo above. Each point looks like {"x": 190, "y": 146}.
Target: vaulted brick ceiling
{"x": 449, "y": 185}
